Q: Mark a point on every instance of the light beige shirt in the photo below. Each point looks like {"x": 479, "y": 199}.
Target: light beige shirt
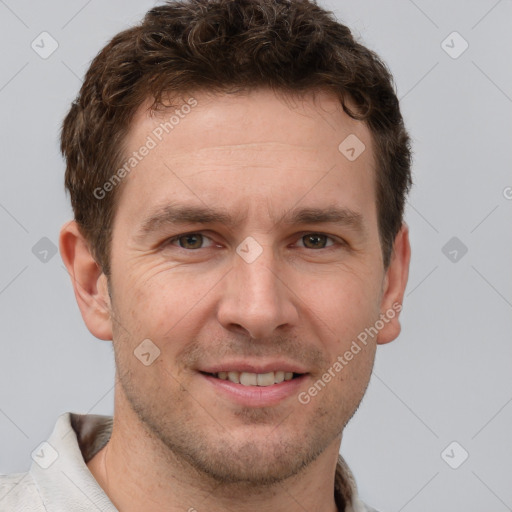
{"x": 59, "y": 480}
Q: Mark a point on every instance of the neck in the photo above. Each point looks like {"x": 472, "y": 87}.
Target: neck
{"x": 146, "y": 477}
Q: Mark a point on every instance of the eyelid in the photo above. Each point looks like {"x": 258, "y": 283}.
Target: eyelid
{"x": 169, "y": 241}
{"x": 335, "y": 240}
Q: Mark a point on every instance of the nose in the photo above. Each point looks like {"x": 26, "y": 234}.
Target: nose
{"x": 257, "y": 298}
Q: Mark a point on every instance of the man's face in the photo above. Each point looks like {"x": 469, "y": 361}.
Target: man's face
{"x": 291, "y": 298}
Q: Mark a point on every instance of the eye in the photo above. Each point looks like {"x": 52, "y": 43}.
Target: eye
{"x": 189, "y": 241}
{"x": 316, "y": 241}
{"x": 195, "y": 241}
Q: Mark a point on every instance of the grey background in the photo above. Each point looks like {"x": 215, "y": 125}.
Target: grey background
{"x": 448, "y": 376}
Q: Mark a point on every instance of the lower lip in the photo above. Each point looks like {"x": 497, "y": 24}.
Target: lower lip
{"x": 256, "y": 396}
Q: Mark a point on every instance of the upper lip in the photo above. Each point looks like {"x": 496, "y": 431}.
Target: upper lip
{"x": 253, "y": 367}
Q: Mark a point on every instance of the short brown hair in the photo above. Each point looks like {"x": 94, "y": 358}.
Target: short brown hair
{"x": 227, "y": 45}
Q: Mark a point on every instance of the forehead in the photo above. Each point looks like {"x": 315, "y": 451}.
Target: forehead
{"x": 248, "y": 149}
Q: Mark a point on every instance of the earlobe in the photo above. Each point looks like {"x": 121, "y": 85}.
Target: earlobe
{"x": 89, "y": 282}
{"x": 394, "y": 285}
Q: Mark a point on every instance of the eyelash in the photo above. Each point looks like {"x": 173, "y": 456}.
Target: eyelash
{"x": 336, "y": 241}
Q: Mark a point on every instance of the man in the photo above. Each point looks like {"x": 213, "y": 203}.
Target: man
{"x": 238, "y": 171}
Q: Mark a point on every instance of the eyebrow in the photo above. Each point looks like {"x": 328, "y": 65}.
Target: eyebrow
{"x": 179, "y": 214}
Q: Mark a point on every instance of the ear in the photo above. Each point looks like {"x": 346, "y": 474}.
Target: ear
{"x": 89, "y": 281}
{"x": 395, "y": 281}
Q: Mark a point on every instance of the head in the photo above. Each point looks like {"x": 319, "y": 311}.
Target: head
{"x": 268, "y": 136}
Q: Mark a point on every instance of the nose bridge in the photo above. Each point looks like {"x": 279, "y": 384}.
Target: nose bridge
{"x": 254, "y": 297}
{"x": 259, "y": 277}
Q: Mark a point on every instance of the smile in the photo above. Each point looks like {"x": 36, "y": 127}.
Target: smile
{"x": 249, "y": 389}
{"x": 255, "y": 379}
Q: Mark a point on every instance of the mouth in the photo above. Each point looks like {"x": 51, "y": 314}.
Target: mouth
{"x": 261, "y": 388}
{"x": 255, "y": 379}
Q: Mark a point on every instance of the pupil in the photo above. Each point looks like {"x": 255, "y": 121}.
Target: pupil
{"x": 195, "y": 244}
{"x": 315, "y": 239}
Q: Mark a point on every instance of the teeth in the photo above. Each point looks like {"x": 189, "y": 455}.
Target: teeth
{"x": 248, "y": 379}
{"x": 256, "y": 379}
{"x": 265, "y": 379}
{"x": 234, "y": 377}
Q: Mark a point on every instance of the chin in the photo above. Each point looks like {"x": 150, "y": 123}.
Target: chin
{"x": 252, "y": 457}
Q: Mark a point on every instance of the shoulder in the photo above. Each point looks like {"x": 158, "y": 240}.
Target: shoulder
{"x": 18, "y": 493}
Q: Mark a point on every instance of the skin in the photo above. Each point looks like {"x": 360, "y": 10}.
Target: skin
{"x": 177, "y": 443}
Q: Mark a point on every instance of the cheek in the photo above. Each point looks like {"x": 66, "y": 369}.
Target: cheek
{"x": 334, "y": 399}
{"x": 344, "y": 308}
{"x": 163, "y": 302}
{"x": 343, "y": 302}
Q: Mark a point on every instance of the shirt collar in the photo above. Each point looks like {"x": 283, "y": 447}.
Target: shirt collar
{"x": 65, "y": 482}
